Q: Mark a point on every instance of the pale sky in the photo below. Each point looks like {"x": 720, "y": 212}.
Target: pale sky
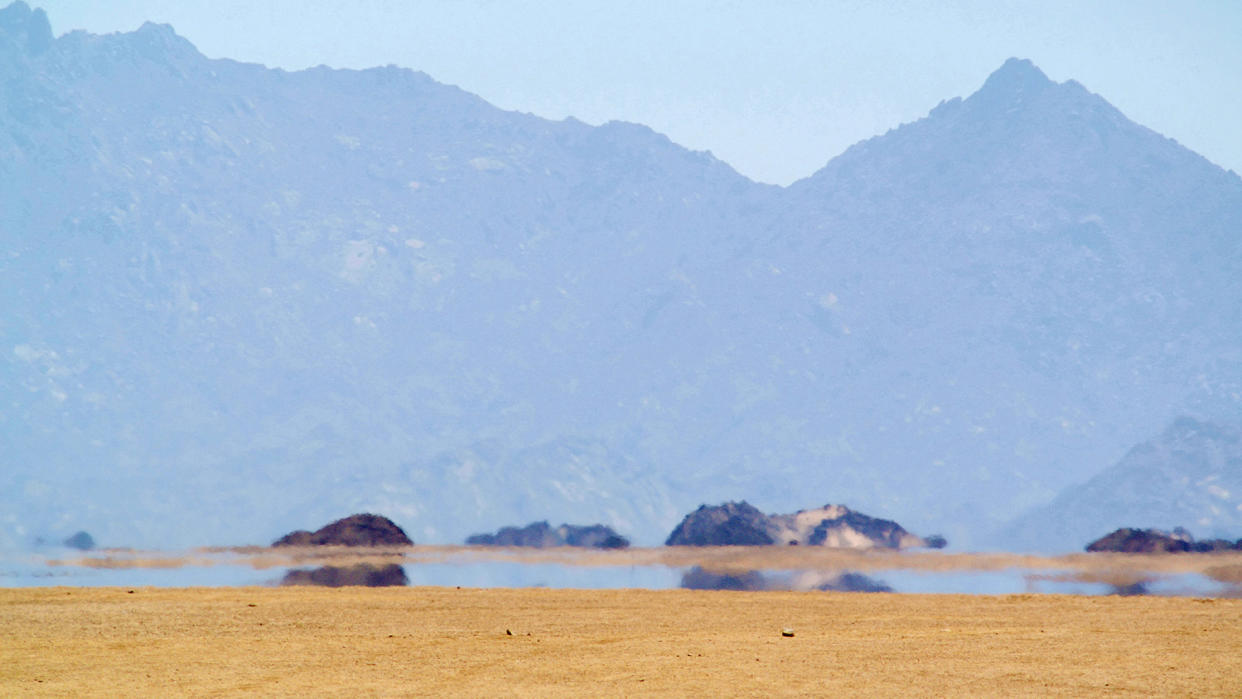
{"x": 775, "y": 88}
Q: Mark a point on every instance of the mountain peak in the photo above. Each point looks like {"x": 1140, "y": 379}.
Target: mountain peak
{"x": 1017, "y": 84}
{"x": 155, "y": 29}
{"x": 161, "y": 42}
{"x": 21, "y": 22}
{"x": 1016, "y": 75}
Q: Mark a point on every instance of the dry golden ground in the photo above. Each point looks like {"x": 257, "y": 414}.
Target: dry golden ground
{"x": 443, "y": 641}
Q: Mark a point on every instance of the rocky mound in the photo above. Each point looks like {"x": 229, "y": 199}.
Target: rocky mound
{"x": 837, "y": 526}
{"x": 730, "y": 524}
{"x": 542, "y": 535}
{"x": 354, "y": 530}
{"x": 361, "y": 575}
{"x": 1210, "y": 545}
{"x": 1127, "y": 540}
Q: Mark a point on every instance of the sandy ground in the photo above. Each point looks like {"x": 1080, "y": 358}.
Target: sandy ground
{"x": 444, "y": 641}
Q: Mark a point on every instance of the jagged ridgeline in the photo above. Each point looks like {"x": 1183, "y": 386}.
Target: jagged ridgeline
{"x": 236, "y": 299}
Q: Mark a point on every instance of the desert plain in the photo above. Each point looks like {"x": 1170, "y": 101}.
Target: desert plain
{"x": 548, "y": 642}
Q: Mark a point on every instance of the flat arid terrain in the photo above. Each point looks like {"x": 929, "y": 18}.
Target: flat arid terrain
{"x": 542, "y": 642}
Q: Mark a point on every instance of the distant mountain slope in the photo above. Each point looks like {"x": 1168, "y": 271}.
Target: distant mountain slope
{"x": 1190, "y": 476}
{"x": 283, "y": 288}
{"x": 1017, "y": 281}
{"x": 240, "y": 299}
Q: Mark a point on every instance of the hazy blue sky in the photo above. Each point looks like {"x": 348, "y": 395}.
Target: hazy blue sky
{"x": 774, "y": 88}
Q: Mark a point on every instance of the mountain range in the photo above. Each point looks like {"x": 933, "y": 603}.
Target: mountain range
{"x": 234, "y": 299}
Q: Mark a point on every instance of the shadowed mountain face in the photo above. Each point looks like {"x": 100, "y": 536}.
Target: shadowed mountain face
{"x": 239, "y": 299}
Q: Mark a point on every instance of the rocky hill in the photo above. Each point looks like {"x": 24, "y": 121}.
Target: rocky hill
{"x": 330, "y": 290}
{"x": 354, "y": 530}
{"x": 542, "y": 535}
{"x": 1126, "y": 540}
{"x": 836, "y": 526}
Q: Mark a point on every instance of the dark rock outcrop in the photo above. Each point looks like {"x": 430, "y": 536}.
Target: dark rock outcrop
{"x": 730, "y": 524}
{"x": 354, "y": 530}
{"x": 856, "y": 530}
{"x": 542, "y": 535}
{"x": 594, "y": 536}
{"x": 1128, "y": 540}
{"x": 80, "y": 541}
{"x": 1211, "y": 545}
{"x": 741, "y": 524}
{"x": 534, "y": 535}
{"x": 361, "y": 575}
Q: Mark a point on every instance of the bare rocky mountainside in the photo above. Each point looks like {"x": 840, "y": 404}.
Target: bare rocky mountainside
{"x": 236, "y": 299}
